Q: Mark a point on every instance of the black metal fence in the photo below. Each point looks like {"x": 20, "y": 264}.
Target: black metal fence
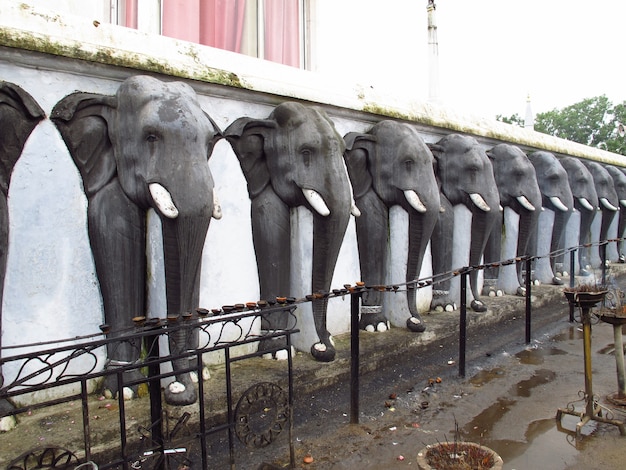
{"x": 261, "y": 413}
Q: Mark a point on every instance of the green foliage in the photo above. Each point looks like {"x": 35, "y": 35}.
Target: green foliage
{"x": 592, "y": 121}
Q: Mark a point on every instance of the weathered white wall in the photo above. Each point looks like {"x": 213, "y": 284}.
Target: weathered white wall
{"x": 51, "y": 289}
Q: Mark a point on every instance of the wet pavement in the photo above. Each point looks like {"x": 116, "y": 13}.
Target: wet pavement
{"x": 411, "y": 395}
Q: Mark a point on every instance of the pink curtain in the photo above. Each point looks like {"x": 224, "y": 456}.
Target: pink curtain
{"x": 221, "y": 23}
{"x": 282, "y": 32}
{"x": 181, "y": 19}
{"x": 131, "y": 14}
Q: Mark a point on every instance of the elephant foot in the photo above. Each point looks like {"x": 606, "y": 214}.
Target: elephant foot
{"x": 270, "y": 345}
{"x": 584, "y": 272}
{"x": 110, "y": 387}
{"x": 521, "y": 291}
{"x": 373, "y": 319}
{"x": 478, "y": 306}
{"x": 7, "y": 423}
{"x": 206, "y": 375}
{"x": 415, "y": 324}
{"x": 444, "y": 307}
{"x": 181, "y": 392}
{"x": 323, "y": 352}
{"x": 621, "y": 259}
{"x": 557, "y": 281}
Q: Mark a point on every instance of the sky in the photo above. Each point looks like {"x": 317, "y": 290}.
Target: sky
{"x": 493, "y": 54}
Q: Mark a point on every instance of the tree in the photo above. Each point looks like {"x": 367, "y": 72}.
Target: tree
{"x": 592, "y": 121}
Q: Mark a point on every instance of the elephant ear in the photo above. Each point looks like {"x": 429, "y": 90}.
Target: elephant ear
{"x": 247, "y": 137}
{"x": 19, "y": 114}
{"x": 217, "y": 136}
{"x": 360, "y": 149}
{"x": 82, "y": 120}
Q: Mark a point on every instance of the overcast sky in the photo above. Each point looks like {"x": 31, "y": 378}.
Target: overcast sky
{"x": 492, "y": 53}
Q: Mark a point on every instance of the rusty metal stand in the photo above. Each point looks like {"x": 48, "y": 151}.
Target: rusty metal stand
{"x": 592, "y": 411}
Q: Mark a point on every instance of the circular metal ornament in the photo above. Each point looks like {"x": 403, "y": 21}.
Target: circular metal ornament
{"x": 261, "y": 414}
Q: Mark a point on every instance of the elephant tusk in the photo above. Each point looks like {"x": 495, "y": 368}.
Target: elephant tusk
{"x": 525, "y": 203}
{"x": 585, "y": 203}
{"x": 163, "y": 200}
{"x": 354, "y": 210}
{"x": 607, "y": 205}
{"x": 622, "y": 202}
{"x": 217, "y": 208}
{"x": 414, "y": 200}
{"x": 556, "y": 202}
{"x": 316, "y": 201}
{"x": 478, "y": 200}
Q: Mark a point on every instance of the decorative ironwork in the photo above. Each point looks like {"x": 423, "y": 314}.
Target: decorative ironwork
{"x": 262, "y": 413}
{"x": 45, "y": 458}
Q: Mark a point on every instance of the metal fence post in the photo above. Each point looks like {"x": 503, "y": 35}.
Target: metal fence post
{"x": 354, "y": 357}
{"x": 463, "y": 322}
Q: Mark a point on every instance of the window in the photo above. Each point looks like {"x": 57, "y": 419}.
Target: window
{"x": 268, "y": 29}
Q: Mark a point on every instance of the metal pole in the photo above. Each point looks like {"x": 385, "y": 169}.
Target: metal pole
{"x": 528, "y": 311}
{"x": 354, "y": 357}
{"x": 571, "y": 282}
{"x": 603, "y": 258}
{"x": 463, "y": 323}
{"x": 154, "y": 385}
{"x": 619, "y": 361}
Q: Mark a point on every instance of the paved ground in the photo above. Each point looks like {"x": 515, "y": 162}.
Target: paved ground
{"x": 507, "y": 399}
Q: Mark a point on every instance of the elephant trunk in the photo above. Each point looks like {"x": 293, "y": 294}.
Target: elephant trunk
{"x": 482, "y": 226}
{"x": 586, "y": 219}
{"x": 608, "y": 215}
{"x": 183, "y": 241}
{"x": 421, "y": 227}
{"x": 527, "y": 227}
{"x": 558, "y": 238}
{"x": 328, "y": 233}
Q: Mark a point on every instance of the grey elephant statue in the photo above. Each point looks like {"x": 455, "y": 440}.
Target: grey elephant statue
{"x": 294, "y": 158}
{"x": 518, "y": 189}
{"x": 19, "y": 114}
{"x": 608, "y": 202}
{"x": 146, "y": 147}
{"x": 619, "y": 182}
{"x": 465, "y": 176}
{"x": 391, "y": 165}
{"x": 556, "y": 196}
{"x": 586, "y": 202}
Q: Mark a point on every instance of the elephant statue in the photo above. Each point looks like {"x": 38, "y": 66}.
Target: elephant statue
{"x": 465, "y": 176}
{"x": 557, "y": 198}
{"x": 19, "y": 114}
{"x": 619, "y": 182}
{"x": 294, "y": 158}
{"x": 391, "y": 165}
{"x": 607, "y": 198}
{"x": 518, "y": 189}
{"x": 586, "y": 202}
{"x": 145, "y": 147}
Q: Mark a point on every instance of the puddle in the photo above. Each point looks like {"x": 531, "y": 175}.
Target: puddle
{"x": 545, "y": 446}
{"x": 483, "y": 423}
{"x": 540, "y": 377}
{"x": 536, "y": 356}
{"x": 573, "y": 332}
{"x": 486, "y": 376}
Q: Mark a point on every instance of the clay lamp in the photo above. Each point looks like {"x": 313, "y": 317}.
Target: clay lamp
{"x": 281, "y": 300}
{"x": 202, "y": 312}
{"x": 139, "y": 321}
{"x": 262, "y": 303}
{"x": 216, "y": 311}
{"x": 187, "y": 316}
{"x": 250, "y": 305}
{"x": 172, "y": 318}
{"x": 105, "y": 328}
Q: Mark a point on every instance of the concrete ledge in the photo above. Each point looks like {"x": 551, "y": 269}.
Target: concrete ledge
{"x": 24, "y": 27}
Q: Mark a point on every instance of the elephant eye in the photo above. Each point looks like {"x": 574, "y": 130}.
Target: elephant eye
{"x": 306, "y": 156}
{"x": 152, "y": 138}
{"x": 408, "y": 165}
